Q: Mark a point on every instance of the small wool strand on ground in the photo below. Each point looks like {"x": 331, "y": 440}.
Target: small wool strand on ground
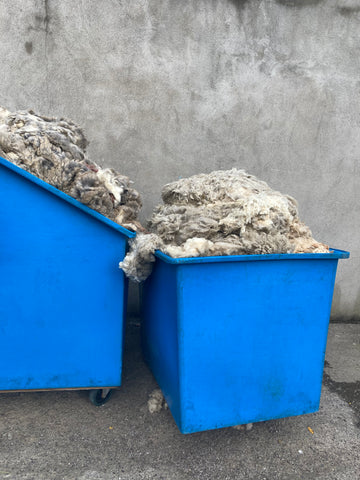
{"x": 156, "y": 401}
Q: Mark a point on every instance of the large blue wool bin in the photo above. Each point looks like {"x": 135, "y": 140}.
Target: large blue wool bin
{"x": 238, "y": 339}
{"x": 62, "y": 295}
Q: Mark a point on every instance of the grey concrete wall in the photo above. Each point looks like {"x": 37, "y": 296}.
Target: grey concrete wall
{"x": 169, "y": 88}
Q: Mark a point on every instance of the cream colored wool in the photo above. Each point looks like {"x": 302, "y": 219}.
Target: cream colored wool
{"x": 54, "y": 151}
{"x": 137, "y": 264}
{"x": 221, "y": 213}
{"x": 246, "y": 427}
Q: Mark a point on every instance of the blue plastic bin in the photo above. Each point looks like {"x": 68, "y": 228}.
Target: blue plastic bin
{"x": 238, "y": 339}
{"x": 63, "y": 297}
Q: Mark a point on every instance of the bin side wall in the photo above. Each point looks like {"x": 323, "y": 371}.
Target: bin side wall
{"x": 63, "y": 295}
{"x": 252, "y": 340}
{"x": 159, "y": 329}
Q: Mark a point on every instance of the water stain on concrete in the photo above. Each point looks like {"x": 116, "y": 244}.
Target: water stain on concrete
{"x": 348, "y": 391}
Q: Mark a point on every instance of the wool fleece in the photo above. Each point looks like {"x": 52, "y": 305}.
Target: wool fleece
{"x": 221, "y": 213}
{"x": 55, "y": 151}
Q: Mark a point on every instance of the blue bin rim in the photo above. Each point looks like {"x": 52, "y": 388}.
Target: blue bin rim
{"x": 66, "y": 197}
{"x": 332, "y": 255}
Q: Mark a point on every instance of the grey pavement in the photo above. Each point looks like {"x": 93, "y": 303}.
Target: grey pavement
{"x": 61, "y": 435}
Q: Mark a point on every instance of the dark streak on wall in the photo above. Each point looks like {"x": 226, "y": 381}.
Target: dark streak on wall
{"x": 29, "y": 47}
{"x": 298, "y": 3}
{"x": 239, "y": 3}
{"x": 347, "y": 11}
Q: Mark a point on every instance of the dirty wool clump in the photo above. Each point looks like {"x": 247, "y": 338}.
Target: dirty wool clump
{"x": 55, "y": 151}
{"x": 222, "y": 213}
{"x": 156, "y": 401}
{"x": 246, "y": 427}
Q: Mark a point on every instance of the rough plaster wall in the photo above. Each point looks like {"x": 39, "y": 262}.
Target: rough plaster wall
{"x": 167, "y": 89}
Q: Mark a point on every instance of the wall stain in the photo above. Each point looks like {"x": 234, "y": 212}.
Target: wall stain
{"x": 29, "y": 47}
{"x": 239, "y": 3}
{"x": 47, "y": 16}
{"x": 298, "y": 3}
{"x": 347, "y": 11}
{"x": 240, "y": 6}
{"x": 42, "y": 21}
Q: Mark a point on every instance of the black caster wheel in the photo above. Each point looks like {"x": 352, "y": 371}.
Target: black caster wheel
{"x": 100, "y": 396}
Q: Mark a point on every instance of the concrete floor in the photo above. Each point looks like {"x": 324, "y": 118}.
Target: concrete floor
{"x": 61, "y": 435}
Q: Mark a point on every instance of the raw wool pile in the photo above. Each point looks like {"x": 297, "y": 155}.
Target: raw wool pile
{"x": 54, "y": 151}
{"x": 222, "y": 213}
